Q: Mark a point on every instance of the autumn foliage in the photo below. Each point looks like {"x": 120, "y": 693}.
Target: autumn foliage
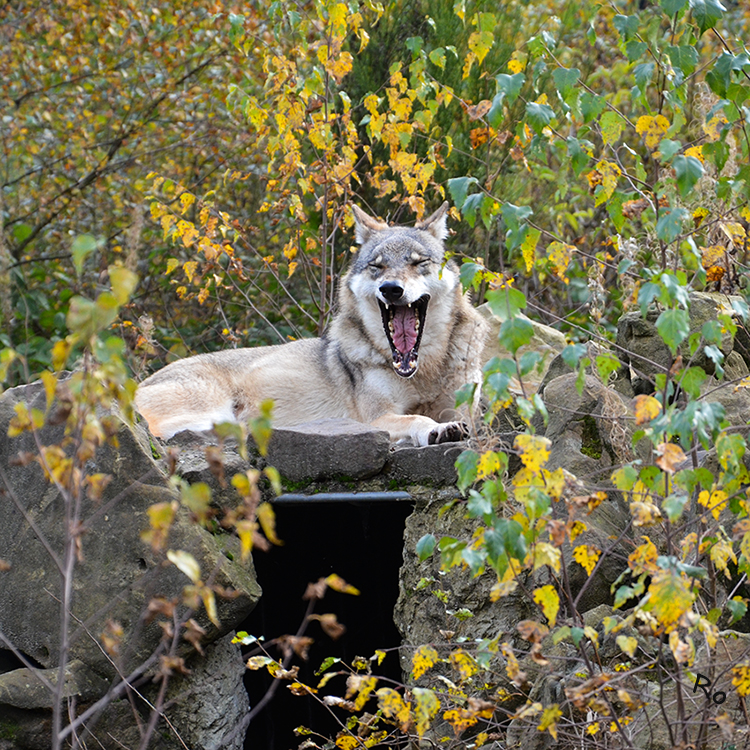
{"x": 177, "y": 178}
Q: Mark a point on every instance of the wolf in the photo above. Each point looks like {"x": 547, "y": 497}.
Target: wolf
{"x": 403, "y": 339}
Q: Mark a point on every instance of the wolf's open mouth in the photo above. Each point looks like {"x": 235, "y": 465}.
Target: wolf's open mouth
{"x": 403, "y": 325}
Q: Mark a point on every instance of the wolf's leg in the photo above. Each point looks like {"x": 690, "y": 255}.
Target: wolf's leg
{"x": 420, "y": 430}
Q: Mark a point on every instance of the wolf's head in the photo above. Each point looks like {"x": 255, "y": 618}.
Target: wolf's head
{"x": 398, "y": 270}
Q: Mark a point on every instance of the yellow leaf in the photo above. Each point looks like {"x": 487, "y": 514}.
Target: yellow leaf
{"x": 361, "y": 686}
{"x": 610, "y": 173}
{"x": 716, "y": 501}
{"x": 741, "y": 678}
{"x": 721, "y": 553}
{"x": 627, "y": 644}
{"x": 209, "y": 602}
{"x": 646, "y": 409}
{"x": 735, "y": 232}
{"x": 586, "y": 555}
{"x": 534, "y": 451}
{"x": 669, "y": 597}
{"x": 267, "y": 519}
{"x": 347, "y": 742}
{"x": 172, "y": 263}
{"x": 488, "y": 464}
{"x": 713, "y": 127}
{"x": 516, "y": 66}
{"x": 186, "y": 200}
{"x": 546, "y": 554}
{"x": 464, "y": 664}
{"x": 653, "y": 129}
{"x": 546, "y": 597}
{"x": 424, "y": 658}
{"x": 528, "y": 248}
{"x": 189, "y": 268}
{"x": 501, "y": 589}
{"x": 560, "y": 254}
{"x": 392, "y": 705}
{"x": 337, "y": 583}
{"x": 549, "y": 719}
{"x": 186, "y": 563}
{"x": 695, "y": 151}
{"x": 669, "y": 457}
{"x": 643, "y": 558}
{"x": 426, "y": 706}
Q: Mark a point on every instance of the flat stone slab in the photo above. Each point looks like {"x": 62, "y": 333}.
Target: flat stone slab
{"x": 431, "y": 463}
{"x": 328, "y": 448}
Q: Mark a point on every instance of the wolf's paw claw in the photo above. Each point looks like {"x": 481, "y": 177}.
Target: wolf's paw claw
{"x": 450, "y": 432}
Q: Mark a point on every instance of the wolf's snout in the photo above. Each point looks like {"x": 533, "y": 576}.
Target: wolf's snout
{"x": 391, "y": 291}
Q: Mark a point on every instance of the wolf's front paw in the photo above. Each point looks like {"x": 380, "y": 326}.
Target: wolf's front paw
{"x": 450, "y": 432}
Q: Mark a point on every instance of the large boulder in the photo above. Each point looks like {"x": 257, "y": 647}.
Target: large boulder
{"x": 115, "y": 575}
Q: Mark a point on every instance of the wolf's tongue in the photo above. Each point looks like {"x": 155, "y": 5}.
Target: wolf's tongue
{"x": 404, "y": 328}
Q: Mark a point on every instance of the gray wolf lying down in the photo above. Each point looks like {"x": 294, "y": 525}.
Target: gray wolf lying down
{"x": 403, "y": 339}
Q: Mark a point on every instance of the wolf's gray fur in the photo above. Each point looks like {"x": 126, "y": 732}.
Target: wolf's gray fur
{"x": 403, "y": 339}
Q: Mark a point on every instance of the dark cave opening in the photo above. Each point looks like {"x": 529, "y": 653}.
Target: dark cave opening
{"x": 363, "y": 544}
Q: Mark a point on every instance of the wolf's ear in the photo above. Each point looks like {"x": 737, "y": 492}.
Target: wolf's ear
{"x": 365, "y": 225}
{"x": 436, "y": 224}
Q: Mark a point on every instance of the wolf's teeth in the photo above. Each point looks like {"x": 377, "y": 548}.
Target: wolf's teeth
{"x": 409, "y": 305}
{"x": 390, "y": 326}
{"x": 386, "y": 305}
{"x": 416, "y": 325}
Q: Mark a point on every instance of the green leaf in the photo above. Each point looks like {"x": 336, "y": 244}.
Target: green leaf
{"x": 643, "y": 74}
{"x": 674, "y": 505}
{"x": 510, "y": 85}
{"x": 466, "y": 468}
{"x": 634, "y": 50}
{"x": 539, "y": 115}
{"x": 578, "y": 157}
{"x": 425, "y": 548}
{"x": 465, "y": 394}
{"x": 506, "y": 303}
{"x": 496, "y": 114}
{"x": 670, "y": 224}
{"x": 478, "y": 505}
{"x": 627, "y": 26}
{"x": 688, "y": 171}
{"x": 606, "y": 364}
{"x": 471, "y": 275}
{"x": 673, "y": 327}
{"x": 592, "y": 105}
{"x": 691, "y": 381}
{"x": 670, "y": 7}
{"x": 459, "y": 188}
{"x": 572, "y": 354}
{"x": 437, "y": 57}
{"x": 82, "y": 247}
{"x": 469, "y": 208}
{"x": 706, "y": 13}
{"x": 738, "y": 607}
{"x": 684, "y": 57}
{"x": 566, "y": 80}
{"x": 667, "y": 149}
{"x": 515, "y": 333}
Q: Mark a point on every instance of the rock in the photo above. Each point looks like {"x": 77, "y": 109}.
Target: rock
{"x": 640, "y": 346}
{"x": 23, "y": 688}
{"x": 547, "y": 342}
{"x": 116, "y": 575}
{"x": 328, "y": 448}
{"x": 211, "y": 707}
{"x": 433, "y": 464}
